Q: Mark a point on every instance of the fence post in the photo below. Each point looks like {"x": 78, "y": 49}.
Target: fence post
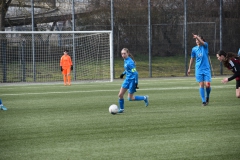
{"x": 185, "y": 36}
{"x": 4, "y": 60}
{"x": 149, "y": 38}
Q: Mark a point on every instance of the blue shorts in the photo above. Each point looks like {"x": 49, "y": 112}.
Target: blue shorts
{"x": 130, "y": 85}
{"x": 203, "y": 76}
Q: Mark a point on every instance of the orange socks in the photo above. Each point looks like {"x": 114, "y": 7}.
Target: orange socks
{"x": 69, "y": 80}
{"x": 65, "y": 80}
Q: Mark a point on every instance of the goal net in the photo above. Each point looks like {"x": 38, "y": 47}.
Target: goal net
{"x": 35, "y": 56}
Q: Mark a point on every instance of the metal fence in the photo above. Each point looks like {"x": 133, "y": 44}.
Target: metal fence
{"x": 164, "y": 54}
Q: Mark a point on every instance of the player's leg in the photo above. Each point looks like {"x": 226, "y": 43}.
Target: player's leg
{"x": 121, "y": 99}
{"x": 2, "y": 107}
{"x": 65, "y": 79}
{"x": 69, "y": 75}
{"x": 238, "y": 88}
{"x": 199, "y": 79}
{"x": 208, "y": 79}
{"x": 208, "y": 91}
{"x": 123, "y": 89}
{"x": 64, "y": 73}
{"x": 131, "y": 97}
{"x": 238, "y": 92}
{"x": 202, "y": 93}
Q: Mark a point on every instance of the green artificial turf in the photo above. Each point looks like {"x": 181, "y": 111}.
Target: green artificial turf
{"x": 56, "y": 122}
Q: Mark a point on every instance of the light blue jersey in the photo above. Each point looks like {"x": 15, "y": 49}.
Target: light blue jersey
{"x": 131, "y": 75}
{"x": 130, "y": 69}
{"x": 201, "y": 55}
{"x": 202, "y": 66}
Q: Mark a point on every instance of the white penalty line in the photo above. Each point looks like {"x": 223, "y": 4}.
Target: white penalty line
{"x": 148, "y": 89}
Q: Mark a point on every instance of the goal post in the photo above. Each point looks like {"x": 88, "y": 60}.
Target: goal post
{"x": 92, "y": 55}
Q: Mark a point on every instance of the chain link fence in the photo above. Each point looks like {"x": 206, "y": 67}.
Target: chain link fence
{"x": 131, "y": 30}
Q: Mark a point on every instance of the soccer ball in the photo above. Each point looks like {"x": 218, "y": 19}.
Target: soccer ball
{"x": 113, "y": 109}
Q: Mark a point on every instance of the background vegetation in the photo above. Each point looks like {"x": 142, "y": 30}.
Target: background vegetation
{"x": 131, "y": 20}
{"x": 131, "y": 28}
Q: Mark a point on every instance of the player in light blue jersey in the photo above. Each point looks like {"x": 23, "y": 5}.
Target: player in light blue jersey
{"x": 131, "y": 81}
{"x": 202, "y": 67}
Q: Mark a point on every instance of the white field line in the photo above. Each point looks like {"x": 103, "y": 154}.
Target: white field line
{"x": 141, "y": 81}
{"x": 116, "y": 90}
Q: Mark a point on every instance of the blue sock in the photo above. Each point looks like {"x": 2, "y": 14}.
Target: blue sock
{"x": 121, "y": 103}
{"x": 208, "y": 90}
{"x": 202, "y": 94}
{"x": 0, "y": 101}
{"x": 139, "y": 98}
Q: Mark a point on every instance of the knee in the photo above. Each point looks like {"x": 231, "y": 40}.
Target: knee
{"x": 208, "y": 85}
{"x": 120, "y": 96}
{"x": 237, "y": 94}
{"x": 130, "y": 99}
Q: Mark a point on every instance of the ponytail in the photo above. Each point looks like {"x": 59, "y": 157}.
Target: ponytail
{"x": 231, "y": 55}
{"x": 129, "y": 54}
{"x": 228, "y": 56}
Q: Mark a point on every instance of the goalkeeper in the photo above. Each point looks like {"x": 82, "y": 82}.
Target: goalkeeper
{"x": 131, "y": 81}
{"x": 66, "y": 67}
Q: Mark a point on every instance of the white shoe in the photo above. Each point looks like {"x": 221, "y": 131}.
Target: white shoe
{"x": 146, "y": 100}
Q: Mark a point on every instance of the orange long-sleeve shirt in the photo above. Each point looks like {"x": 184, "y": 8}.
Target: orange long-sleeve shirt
{"x": 65, "y": 61}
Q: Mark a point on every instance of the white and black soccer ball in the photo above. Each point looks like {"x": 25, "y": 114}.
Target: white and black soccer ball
{"x": 113, "y": 109}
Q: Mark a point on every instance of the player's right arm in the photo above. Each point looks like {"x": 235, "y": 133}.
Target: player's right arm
{"x": 61, "y": 64}
{"x": 190, "y": 65}
{"x": 123, "y": 73}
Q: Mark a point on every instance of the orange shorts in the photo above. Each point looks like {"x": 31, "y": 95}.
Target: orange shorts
{"x": 66, "y": 70}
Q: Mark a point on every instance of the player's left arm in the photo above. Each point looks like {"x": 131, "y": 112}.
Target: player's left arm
{"x": 70, "y": 62}
{"x": 136, "y": 80}
{"x": 61, "y": 62}
{"x": 134, "y": 71}
{"x": 236, "y": 70}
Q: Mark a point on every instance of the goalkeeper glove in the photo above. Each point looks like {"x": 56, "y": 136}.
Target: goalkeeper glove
{"x": 121, "y": 76}
{"x": 136, "y": 85}
{"x": 61, "y": 68}
{"x": 71, "y": 68}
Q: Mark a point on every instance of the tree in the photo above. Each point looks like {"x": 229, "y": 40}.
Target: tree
{"x": 4, "y": 5}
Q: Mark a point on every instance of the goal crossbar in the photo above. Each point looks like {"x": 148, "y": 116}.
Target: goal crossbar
{"x": 51, "y": 32}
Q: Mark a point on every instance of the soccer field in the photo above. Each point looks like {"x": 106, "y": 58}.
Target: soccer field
{"x": 57, "y": 122}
